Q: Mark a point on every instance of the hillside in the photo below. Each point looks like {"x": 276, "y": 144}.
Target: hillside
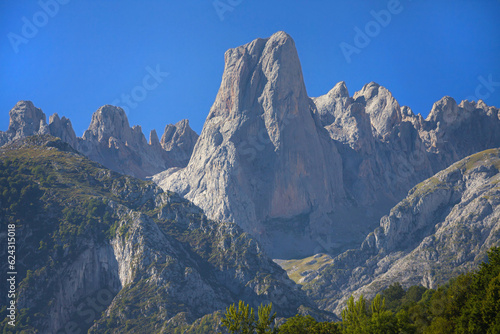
{"x": 147, "y": 258}
{"x": 443, "y": 227}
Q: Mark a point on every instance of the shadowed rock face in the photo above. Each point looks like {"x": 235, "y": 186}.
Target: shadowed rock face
{"x": 109, "y": 139}
{"x": 179, "y": 139}
{"x": 308, "y": 175}
{"x": 262, "y": 159}
{"x": 443, "y": 227}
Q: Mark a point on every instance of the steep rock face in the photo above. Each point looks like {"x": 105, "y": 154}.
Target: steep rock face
{"x": 109, "y": 139}
{"x": 25, "y": 120}
{"x": 179, "y": 139}
{"x": 442, "y": 228}
{"x": 62, "y": 128}
{"x": 117, "y": 253}
{"x": 262, "y": 159}
{"x": 386, "y": 149}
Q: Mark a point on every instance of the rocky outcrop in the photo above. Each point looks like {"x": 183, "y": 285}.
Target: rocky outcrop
{"x": 62, "y": 128}
{"x": 109, "y": 139}
{"x": 179, "y": 139}
{"x": 25, "y": 120}
{"x": 444, "y": 227}
{"x": 262, "y": 160}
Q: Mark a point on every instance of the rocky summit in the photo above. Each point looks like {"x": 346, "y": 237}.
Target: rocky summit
{"x": 109, "y": 139}
{"x": 308, "y": 175}
{"x": 260, "y": 160}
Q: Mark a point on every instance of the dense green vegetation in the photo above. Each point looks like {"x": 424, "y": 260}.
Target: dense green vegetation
{"x": 58, "y": 201}
{"x": 469, "y": 303}
{"x": 63, "y": 205}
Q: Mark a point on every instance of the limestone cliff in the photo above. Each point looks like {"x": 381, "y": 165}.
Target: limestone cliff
{"x": 316, "y": 175}
{"x": 443, "y": 227}
{"x": 262, "y": 160}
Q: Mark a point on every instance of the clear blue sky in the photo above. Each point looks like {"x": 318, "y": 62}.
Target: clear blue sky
{"x": 88, "y": 53}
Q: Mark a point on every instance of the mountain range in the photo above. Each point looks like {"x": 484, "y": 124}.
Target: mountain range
{"x": 109, "y": 139}
{"x": 308, "y": 175}
{"x": 348, "y": 193}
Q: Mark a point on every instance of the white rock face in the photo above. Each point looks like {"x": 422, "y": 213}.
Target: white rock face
{"x": 444, "y": 227}
{"x": 262, "y": 159}
{"x": 179, "y": 140}
{"x": 25, "y": 120}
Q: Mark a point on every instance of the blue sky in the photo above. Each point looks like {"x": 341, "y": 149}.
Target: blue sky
{"x": 73, "y": 57}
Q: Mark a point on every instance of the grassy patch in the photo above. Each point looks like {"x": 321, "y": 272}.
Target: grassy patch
{"x": 297, "y": 269}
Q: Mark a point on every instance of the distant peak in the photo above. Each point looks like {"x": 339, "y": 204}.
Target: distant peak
{"x": 446, "y": 109}
{"x": 445, "y": 102}
{"x": 372, "y": 84}
{"x": 110, "y": 109}
{"x": 180, "y": 135}
{"x": 153, "y": 138}
{"x": 54, "y": 118}
{"x": 370, "y": 89}
{"x": 109, "y": 121}
{"x": 183, "y": 123}
{"x": 24, "y": 103}
{"x": 25, "y": 118}
{"x": 339, "y": 90}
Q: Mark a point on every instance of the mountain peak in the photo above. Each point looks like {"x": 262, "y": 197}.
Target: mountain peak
{"x": 339, "y": 90}
{"x": 262, "y": 117}
{"x": 179, "y": 140}
{"x": 263, "y": 69}
{"x": 369, "y": 91}
{"x": 153, "y": 138}
{"x": 281, "y": 35}
{"x": 109, "y": 121}
{"x": 446, "y": 109}
{"x": 62, "y": 128}
{"x": 382, "y": 107}
{"x": 26, "y": 120}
